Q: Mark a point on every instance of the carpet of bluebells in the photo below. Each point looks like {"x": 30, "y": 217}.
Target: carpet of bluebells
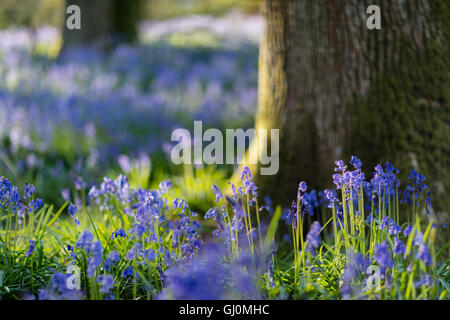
{"x": 67, "y": 232}
{"x": 71, "y": 115}
{"x": 127, "y": 243}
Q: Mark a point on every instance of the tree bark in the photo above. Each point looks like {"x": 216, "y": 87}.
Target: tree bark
{"x": 335, "y": 88}
{"x": 104, "y": 23}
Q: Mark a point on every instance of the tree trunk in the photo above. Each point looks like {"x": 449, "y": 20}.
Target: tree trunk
{"x": 335, "y": 88}
{"x": 103, "y": 23}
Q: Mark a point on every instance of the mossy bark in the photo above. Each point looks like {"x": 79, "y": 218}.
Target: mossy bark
{"x": 104, "y": 23}
{"x": 335, "y": 88}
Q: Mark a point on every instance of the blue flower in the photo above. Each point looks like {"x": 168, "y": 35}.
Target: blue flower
{"x": 165, "y": 185}
{"x": 382, "y": 255}
{"x": 355, "y": 162}
{"x": 340, "y": 166}
{"x": 106, "y": 281}
{"x": 217, "y": 193}
{"x": 79, "y": 183}
{"x": 424, "y": 255}
{"x": 119, "y": 233}
{"x": 31, "y": 248}
{"x": 313, "y": 237}
{"x": 330, "y": 196}
{"x": 72, "y": 210}
{"x": 134, "y": 252}
{"x": 399, "y": 247}
{"x": 84, "y": 241}
{"x": 37, "y": 204}
{"x": 65, "y": 194}
{"x": 112, "y": 258}
{"x": 302, "y": 186}
{"x": 211, "y": 214}
{"x": 127, "y": 272}
{"x": 407, "y": 230}
{"x": 149, "y": 254}
{"x": 95, "y": 260}
{"x": 29, "y": 190}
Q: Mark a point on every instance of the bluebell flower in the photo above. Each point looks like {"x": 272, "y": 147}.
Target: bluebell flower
{"x": 414, "y": 188}
{"x": 31, "y": 248}
{"x": 382, "y": 255}
{"x": 112, "y": 258}
{"x": 302, "y": 186}
{"x": 165, "y": 185}
{"x": 399, "y": 247}
{"x": 330, "y": 196}
{"x": 37, "y": 204}
{"x": 29, "y": 190}
{"x": 72, "y": 210}
{"x": 211, "y": 214}
{"x": 59, "y": 289}
{"x": 96, "y": 259}
{"x": 85, "y": 240}
{"x": 127, "y": 272}
{"x": 424, "y": 254}
{"x": 249, "y": 185}
{"x": 340, "y": 166}
{"x": 313, "y": 238}
{"x": 79, "y": 183}
{"x": 149, "y": 254}
{"x": 217, "y": 193}
{"x": 119, "y": 233}
{"x": 394, "y": 228}
{"x": 65, "y": 194}
{"x": 407, "y": 230}
{"x": 134, "y": 252}
{"x": 355, "y": 162}
{"x": 106, "y": 282}
{"x": 425, "y": 279}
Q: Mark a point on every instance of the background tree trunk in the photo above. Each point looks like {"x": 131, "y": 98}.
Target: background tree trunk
{"x": 335, "y": 88}
{"x": 103, "y": 23}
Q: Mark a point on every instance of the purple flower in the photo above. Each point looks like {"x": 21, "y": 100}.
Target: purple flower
{"x": 217, "y": 193}
{"x": 211, "y": 214}
{"x": 84, "y": 241}
{"x": 127, "y": 272}
{"x": 37, "y": 204}
{"x": 112, "y": 258}
{"x": 399, "y": 247}
{"x": 313, "y": 237}
{"x": 407, "y": 231}
{"x": 31, "y": 248}
{"x": 165, "y": 185}
{"x": 106, "y": 281}
{"x": 355, "y": 162}
{"x": 79, "y": 183}
{"x": 382, "y": 255}
{"x": 134, "y": 252}
{"x": 331, "y": 197}
{"x": 340, "y": 166}
{"x": 95, "y": 260}
{"x": 149, "y": 254}
{"x": 72, "y": 210}
{"x": 29, "y": 190}
{"x": 424, "y": 255}
{"x": 302, "y": 186}
{"x": 119, "y": 233}
{"x": 65, "y": 194}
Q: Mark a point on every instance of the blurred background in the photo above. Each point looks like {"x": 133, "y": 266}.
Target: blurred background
{"x": 70, "y": 107}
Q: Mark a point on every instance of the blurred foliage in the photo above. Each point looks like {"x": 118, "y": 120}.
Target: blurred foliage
{"x": 163, "y": 9}
{"x": 35, "y": 13}
{"x": 31, "y": 13}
